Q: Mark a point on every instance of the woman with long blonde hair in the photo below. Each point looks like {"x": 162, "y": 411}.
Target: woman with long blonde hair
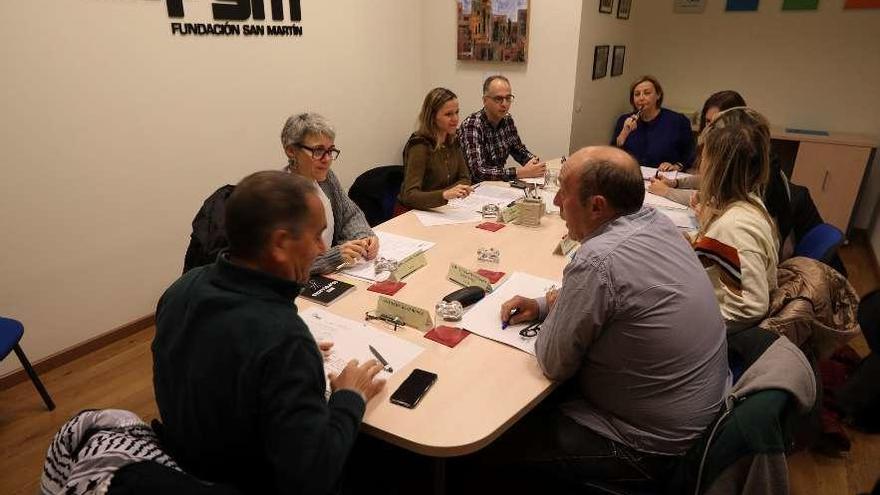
{"x": 737, "y": 240}
{"x": 434, "y": 166}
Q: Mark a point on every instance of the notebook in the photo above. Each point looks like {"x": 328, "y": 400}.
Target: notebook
{"x": 325, "y": 290}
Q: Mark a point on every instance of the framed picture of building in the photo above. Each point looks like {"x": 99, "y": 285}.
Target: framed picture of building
{"x": 617, "y": 57}
{"x": 606, "y": 6}
{"x": 623, "y": 7}
{"x": 600, "y": 61}
{"x": 493, "y": 31}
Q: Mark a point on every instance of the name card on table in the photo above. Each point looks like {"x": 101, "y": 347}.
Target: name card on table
{"x": 565, "y": 246}
{"x": 413, "y": 316}
{"x": 467, "y": 278}
{"x": 509, "y": 214}
{"x": 409, "y": 264}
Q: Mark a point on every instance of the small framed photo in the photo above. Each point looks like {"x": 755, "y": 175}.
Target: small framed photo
{"x": 617, "y": 60}
{"x": 623, "y": 7}
{"x": 600, "y": 61}
{"x": 606, "y": 6}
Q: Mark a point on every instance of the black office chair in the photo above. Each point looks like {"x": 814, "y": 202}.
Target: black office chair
{"x": 375, "y": 192}
{"x": 11, "y": 332}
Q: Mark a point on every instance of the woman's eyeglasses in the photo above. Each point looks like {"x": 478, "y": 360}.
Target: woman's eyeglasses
{"x": 320, "y": 152}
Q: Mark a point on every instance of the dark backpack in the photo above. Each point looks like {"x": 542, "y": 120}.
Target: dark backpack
{"x": 208, "y": 236}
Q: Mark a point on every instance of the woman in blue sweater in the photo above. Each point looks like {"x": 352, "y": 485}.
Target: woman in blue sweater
{"x": 655, "y": 136}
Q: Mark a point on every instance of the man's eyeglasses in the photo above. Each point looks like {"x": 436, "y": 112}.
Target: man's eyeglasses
{"x": 320, "y": 152}
{"x": 500, "y": 99}
{"x": 531, "y": 330}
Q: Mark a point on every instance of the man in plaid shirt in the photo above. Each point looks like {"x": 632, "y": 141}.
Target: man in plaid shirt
{"x": 489, "y": 136}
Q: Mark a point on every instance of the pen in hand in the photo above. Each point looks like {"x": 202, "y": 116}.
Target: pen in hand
{"x": 513, "y": 312}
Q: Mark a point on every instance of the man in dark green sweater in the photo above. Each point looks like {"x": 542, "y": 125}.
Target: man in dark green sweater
{"x": 239, "y": 380}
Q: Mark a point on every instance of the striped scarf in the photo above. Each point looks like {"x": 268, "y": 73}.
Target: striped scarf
{"x": 89, "y": 448}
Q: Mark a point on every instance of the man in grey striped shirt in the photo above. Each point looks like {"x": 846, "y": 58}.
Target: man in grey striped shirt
{"x": 635, "y": 331}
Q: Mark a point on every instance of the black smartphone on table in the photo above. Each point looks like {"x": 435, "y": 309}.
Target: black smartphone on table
{"x": 519, "y": 184}
{"x": 411, "y": 391}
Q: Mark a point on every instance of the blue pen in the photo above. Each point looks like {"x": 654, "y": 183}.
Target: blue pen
{"x": 513, "y": 312}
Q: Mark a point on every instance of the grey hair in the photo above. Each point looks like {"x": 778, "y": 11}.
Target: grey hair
{"x": 298, "y": 126}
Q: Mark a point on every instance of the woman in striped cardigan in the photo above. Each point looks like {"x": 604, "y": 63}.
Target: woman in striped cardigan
{"x": 737, "y": 242}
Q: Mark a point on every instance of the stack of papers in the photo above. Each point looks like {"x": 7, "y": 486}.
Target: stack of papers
{"x": 391, "y": 246}
{"x": 484, "y": 318}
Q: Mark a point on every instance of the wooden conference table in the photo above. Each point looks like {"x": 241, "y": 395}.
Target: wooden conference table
{"x": 483, "y": 387}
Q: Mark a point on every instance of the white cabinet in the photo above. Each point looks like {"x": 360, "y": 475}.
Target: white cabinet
{"x": 832, "y": 168}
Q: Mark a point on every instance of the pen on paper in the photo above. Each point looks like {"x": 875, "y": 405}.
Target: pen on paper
{"x": 513, "y": 312}
{"x": 381, "y": 359}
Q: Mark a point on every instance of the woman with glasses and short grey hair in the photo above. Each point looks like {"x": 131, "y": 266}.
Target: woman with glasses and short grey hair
{"x": 308, "y": 141}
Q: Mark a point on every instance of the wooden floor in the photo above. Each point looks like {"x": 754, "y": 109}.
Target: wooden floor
{"x": 120, "y": 376}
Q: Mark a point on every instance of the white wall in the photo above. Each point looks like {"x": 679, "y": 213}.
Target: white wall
{"x": 597, "y": 103}
{"x": 811, "y": 69}
{"x": 543, "y": 87}
{"x": 114, "y": 131}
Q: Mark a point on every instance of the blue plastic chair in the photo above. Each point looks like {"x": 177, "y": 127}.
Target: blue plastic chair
{"x": 820, "y": 243}
{"x": 10, "y": 334}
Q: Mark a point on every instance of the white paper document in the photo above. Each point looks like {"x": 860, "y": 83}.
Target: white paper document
{"x": 353, "y": 339}
{"x": 447, "y": 215}
{"x": 498, "y": 193}
{"x": 391, "y": 246}
{"x": 661, "y": 202}
{"x": 684, "y": 219}
{"x": 651, "y": 172}
{"x": 467, "y": 210}
{"x": 484, "y": 317}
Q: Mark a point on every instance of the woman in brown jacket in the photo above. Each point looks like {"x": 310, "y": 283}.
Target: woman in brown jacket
{"x": 434, "y": 166}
